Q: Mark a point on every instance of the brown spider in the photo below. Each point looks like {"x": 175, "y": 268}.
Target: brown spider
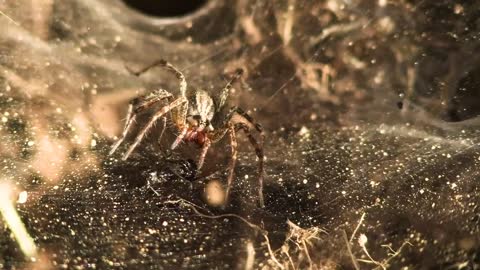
{"x": 196, "y": 115}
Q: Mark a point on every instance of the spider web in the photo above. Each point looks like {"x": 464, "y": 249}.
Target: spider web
{"x": 370, "y": 110}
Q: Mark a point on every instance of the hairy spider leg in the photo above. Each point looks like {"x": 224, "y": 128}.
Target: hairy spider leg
{"x": 179, "y": 139}
{"x": 245, "y": 119}
{"x": 203, "y": 153}
{"x": 246, "y": 123}
{"x": 135, "y": 107}
{"x": 233, "y": 160}
{"x": 226, "y": 90}
{"x": 179, "y": 114}
{"x": 128, "y": 124}
{"x": 164, "y": 126}
{"x": 155, "y": 117}
{"x": 259, "y": 151}
{"x": 171, "y": 68}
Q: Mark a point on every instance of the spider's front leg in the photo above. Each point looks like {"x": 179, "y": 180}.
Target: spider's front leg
{"x": 169, "y": 67}
{"x": 178, "y": 114}
{"x": 135, "y": 107}
{"x": 178, "y": 102}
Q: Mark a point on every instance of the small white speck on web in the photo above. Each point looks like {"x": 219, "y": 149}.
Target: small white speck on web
{"x": 165, "y": 224}
{"x": 22, "y": 197}
{"x": 304, "y": 132}
{"x": 362, "y": 240}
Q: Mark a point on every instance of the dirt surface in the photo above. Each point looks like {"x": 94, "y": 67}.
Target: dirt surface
{"x": 370, "y": 111}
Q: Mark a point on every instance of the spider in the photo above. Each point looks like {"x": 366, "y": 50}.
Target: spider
{"x": 197, "y": 116}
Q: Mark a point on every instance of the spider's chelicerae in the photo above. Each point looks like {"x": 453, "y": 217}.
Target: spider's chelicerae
{"x": 197, "y": 117}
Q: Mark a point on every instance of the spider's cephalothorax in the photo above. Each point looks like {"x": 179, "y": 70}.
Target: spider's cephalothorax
{"x": 193, "y": 113}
